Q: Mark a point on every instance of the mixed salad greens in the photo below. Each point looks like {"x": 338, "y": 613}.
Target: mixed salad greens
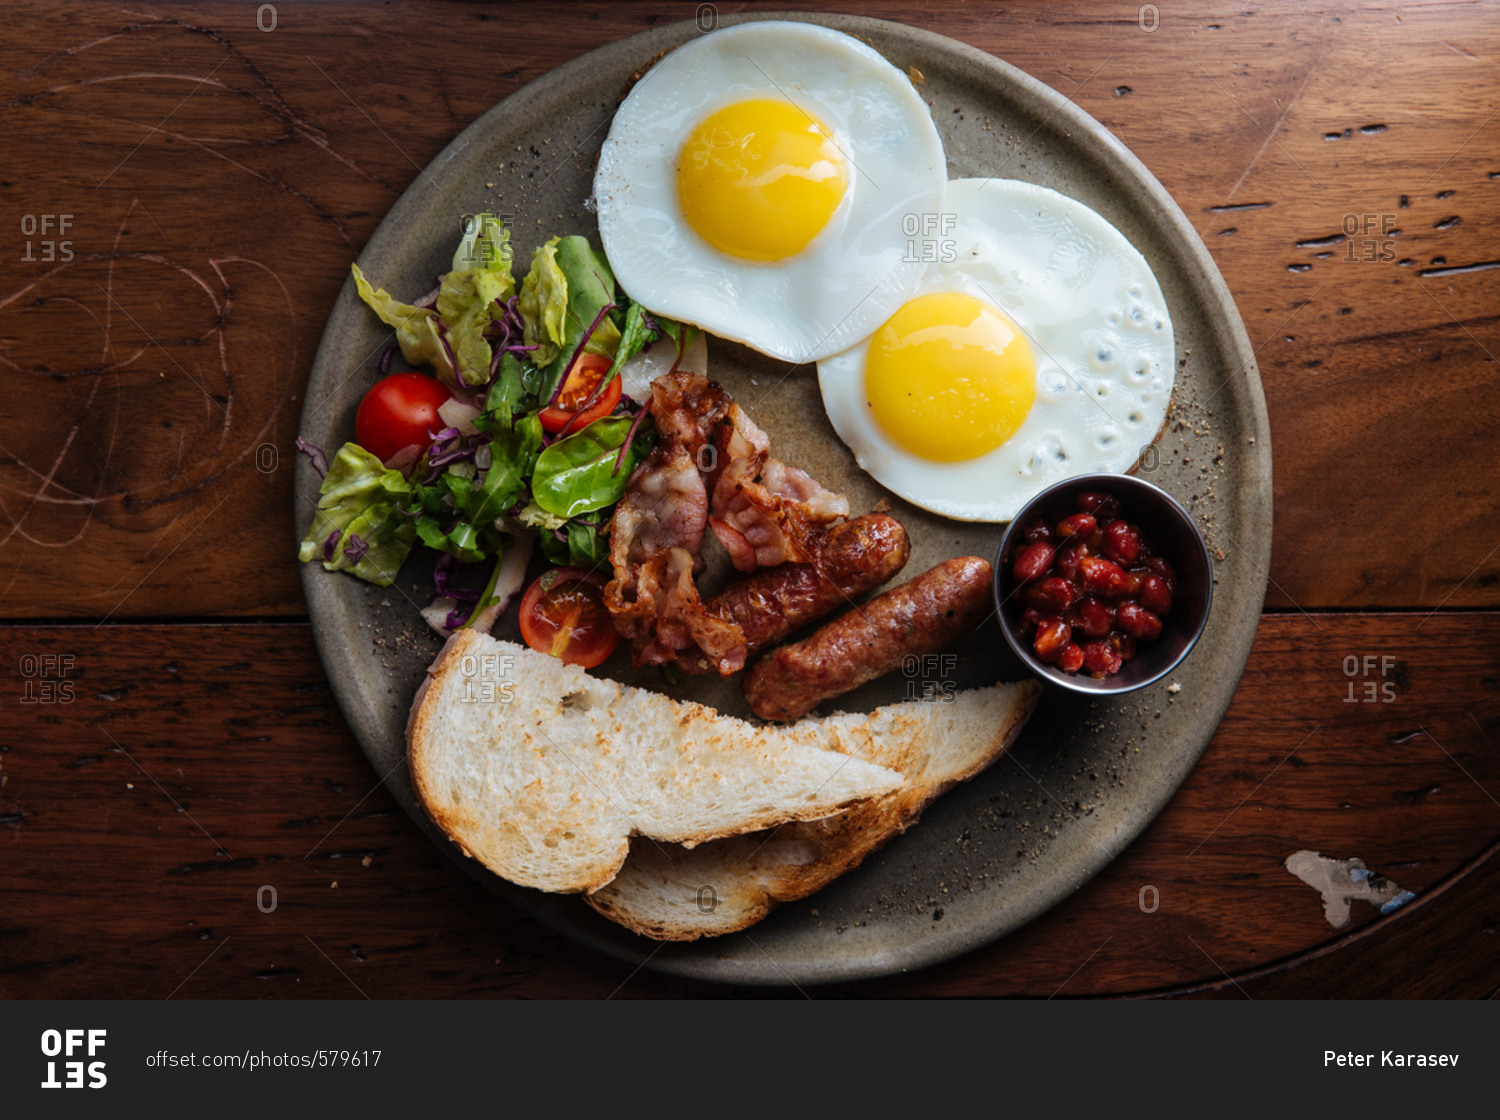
{"x": 522, "y": 431}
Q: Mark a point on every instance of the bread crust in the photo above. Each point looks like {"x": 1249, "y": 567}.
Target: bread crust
{"x": 547, "y": 786}
{"x": 660, "y": 891}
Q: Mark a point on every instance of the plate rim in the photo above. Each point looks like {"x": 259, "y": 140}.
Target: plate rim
{"x": 1190, "y": 258}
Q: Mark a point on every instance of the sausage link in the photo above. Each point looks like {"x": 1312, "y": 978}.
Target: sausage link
{"x": 919, "y": 617}
{"x": 853, "y": 557}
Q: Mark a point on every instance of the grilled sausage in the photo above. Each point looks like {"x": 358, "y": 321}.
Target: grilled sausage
{"x": 852, "y": 557}
{"x": 919, "y": 617}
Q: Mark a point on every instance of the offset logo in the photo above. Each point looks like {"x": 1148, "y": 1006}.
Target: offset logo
{"x": 67, "y": 1044}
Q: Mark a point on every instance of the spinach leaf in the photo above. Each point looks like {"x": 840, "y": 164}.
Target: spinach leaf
{"x": 577, "y": 473}
{"x": 587, "y": 546}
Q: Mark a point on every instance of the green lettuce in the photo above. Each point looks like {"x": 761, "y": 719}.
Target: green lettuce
{"x": 416, "y": 328}
{"x": 535, "y": 517}
{"x": 470, "y": 295}
{"x": 569, "y": 285}
{"x": 513, "y": 457}
{"x": 635, "y": 335}
{"x": 513, "y": 391}
{"x": 544, "y": 304}
{"x": 359, "y": 502}
{"x": 473, "y": 293}
{"x": 466, "y": 304}
{"x": 485, "y": 245}
{"x": 464, "y": 525}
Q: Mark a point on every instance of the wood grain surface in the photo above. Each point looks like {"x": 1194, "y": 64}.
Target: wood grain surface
{"x": 221, "y": 178}
{"x": 185, "y": 186}
{"x": 198, "y": 769}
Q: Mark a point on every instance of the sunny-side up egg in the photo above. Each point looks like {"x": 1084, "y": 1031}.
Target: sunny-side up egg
{"x": 757, "y": 182}
{"x": 1036, "y": 347}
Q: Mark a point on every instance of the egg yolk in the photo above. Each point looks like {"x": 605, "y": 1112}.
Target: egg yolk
{"x": 759, "y": 179}
{"x": 948, "y": 377}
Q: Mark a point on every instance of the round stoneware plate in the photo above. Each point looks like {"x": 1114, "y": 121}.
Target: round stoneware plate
{"x": 1087, "y": 775}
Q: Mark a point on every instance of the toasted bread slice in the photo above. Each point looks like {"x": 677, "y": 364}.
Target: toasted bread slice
{"x": 543, "y": 772}
{"x": 675, "y": 894}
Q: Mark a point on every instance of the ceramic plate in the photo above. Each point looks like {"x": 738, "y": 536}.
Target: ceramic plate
{"x": 1086, "y": 776}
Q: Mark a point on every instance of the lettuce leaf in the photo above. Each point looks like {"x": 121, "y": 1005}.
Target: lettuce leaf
{"x": 485, "y": 245}
{"x": 588, "y": 547}
{"x": 585, "y": 547}
{"x": 513, "y": 458}
{"x": 416, "y": 328}
{"x": 473, "y": 507}
{"x": 358, "y": 526}
{"x": 535, "y": 517}
{"x": 450, "y": 338}
{"x": 562, "y": 297}
{"x": 544, "y": 304}
{"x": 473, "y": 293}
{"x": 635, "y": 336}
{"x": 466, "y": 304}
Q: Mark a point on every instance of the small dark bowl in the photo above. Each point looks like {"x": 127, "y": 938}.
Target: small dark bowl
{"x": 1173, "y": 534}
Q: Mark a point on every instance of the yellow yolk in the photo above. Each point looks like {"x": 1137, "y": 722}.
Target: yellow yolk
{"x": 759, "y": 179}
{"x": 948, "y": 377}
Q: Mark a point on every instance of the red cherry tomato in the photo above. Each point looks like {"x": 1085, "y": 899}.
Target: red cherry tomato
{"x": 582, "y": 379}
{"x": 398, "y": 411}
{"x": 563, "y": 614}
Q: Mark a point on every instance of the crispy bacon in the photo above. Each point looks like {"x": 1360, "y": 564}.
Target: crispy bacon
{"x": 763, "y": 512}
{"x": 656, "y": 537}
{"x": 767, "y": 520}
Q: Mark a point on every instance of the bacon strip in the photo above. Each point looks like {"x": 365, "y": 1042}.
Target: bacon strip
{"x": 656, "y": 537}
{"x": 763, "y": 512}
{"x": 768, "y": 520}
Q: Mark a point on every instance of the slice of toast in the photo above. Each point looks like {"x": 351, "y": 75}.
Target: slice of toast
{"x": 672, "y": 893}
{"x": 543, "y": 772}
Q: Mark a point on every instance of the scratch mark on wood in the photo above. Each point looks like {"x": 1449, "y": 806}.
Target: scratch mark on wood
{"x": 1271, "y": 134}
{"x": 1235, "y": 208}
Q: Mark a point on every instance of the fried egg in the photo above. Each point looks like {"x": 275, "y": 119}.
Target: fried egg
{"x": 757, "y": 183}
{"x": 1036, "y": 347}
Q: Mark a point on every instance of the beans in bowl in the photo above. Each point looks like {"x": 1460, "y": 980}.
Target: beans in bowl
{"x": 1091, "y": 586}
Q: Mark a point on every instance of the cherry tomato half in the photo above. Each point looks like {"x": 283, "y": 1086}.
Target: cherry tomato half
{"x": 582, "y": 379}
{"x": 398, "y": 411}
{"x": 563, "y": 614}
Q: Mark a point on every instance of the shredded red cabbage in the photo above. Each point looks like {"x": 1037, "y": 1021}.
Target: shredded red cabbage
{"x": 443, "y": 442}
{"x": 451, "y": 446}
{"x": 318, "y": 456}
{"x": 385, "y": 358}
{"x": 510, "y": 334}
{"x": 442, "y": 576}
{"x": 355, "y": 548}
{"x": 331, "y": 543}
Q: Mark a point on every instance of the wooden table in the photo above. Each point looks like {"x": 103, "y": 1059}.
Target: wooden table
{"x": 183, "y": 191}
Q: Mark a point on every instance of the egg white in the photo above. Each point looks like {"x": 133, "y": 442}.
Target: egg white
{"x": 1099, "y": 331}
{"x": 855, "y": 273}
